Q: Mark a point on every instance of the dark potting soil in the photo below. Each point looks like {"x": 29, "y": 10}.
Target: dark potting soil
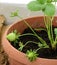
{"x": 43, "y": 53}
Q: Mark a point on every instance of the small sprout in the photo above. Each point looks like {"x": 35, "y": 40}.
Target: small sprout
{"x": 21, "y": 46}
{"x": 15, "y": 31}
{"x": 11, "y": 36}
{"x": 40, "y": 45}
{"x": 32, "y": 55}
{"x": 43, "y": 45}
{"x": 13, "y": 14}
{"x": 55, "y": 31}
{"x": 15, "y": 42}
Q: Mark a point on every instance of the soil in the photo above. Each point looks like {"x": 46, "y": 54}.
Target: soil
{"x": 43, "y": 53}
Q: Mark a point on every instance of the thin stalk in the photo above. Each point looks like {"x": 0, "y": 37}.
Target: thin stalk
{"x": 54, "y": 44}
{"x": 39, "y": 29}
{"x": 49, "y": 30}
{"x": 52, "y": 29}
{"x": 38, "y": 49}
{"x": 41, "y": 40}
{"x": 27, "y": 25}
{"x": 30, "y": 42}
{"x": 26, "y": 34}
{"x": 47, "y": 24}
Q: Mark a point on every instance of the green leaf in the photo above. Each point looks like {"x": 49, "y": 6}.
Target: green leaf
{"x": 49, "y": 10}
{"x": 11, "y": 36}
{"x": 43, "y": 45}
{"x": 40, "y": 45}
{"x": 55, "y": 0}
{"x": 35, "y": 6}
{"x": 55, "y": 31}
{"x": 21, "y": 46}
{"x": 14, "y": 14}
{"x": 31, "y": 55}
{"x": 49, "y": 1}
{"x": 42, "y": 1}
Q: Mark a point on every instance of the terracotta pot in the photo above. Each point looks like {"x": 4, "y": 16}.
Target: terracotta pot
{"x": 19, "y": 58}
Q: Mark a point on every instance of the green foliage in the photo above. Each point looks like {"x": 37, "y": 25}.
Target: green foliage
{"x": 31, "y": 55}
{"x": 20, "y": 46}
{"x": 44, "y": 5}
{"x": 55, "y": 31}
{"x": 13, "y": 36}
{"x": 35, "y": 6}
{"x": 49, "y": 1}
{"x": 49, "y": 10}
{"x": 43, "y": 45}
{"x": 55, "y": 0}
{"x": 42, "y": 1}
{"x": 13, "y": 14}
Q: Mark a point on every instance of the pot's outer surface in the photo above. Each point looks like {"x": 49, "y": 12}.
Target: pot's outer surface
{"x": 18, "y": 58}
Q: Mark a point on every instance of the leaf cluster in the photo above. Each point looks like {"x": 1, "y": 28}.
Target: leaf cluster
{"x": 31, "y": 54}
{"x": 44, "y": 5}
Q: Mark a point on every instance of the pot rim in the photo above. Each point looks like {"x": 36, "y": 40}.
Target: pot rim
{"x": 23, "y": 54}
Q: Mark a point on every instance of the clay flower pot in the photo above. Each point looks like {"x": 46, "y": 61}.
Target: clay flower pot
{"x": 19, "y": 58}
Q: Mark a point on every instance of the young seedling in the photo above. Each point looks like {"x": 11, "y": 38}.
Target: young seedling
{"x": 13, "y": 37}
{"x": 31, "y": 54}
{"x": 48, "y": 8}
{"x": 21, "y": 45}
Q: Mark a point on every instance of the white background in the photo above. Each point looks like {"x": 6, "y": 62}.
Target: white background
{"x": 15, "y": 1}
{"x": 8, "y": 6}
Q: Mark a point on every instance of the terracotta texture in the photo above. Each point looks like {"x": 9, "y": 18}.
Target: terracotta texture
{"x": 18, "y": 58}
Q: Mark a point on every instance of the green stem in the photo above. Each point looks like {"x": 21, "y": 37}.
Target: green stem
{"x": 54, "y": 44}
{"x": 45, "y": 22}
{"x": 27, "y": 24}
{"x": 26, "y": 34}
{"x": 51, "y": 31}
{"x": 39, "y": 29}
{"x": 38, "y": 49}
{"x": 30, "y": 42}
{"x": 41, "y": 40}
{"x": 52, "y": 28}
{"x": 48, "y": 24}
